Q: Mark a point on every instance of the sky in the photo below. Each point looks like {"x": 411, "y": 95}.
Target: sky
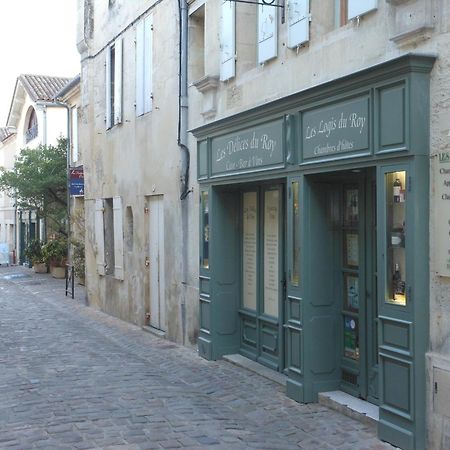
{"x": 36, "y": 37}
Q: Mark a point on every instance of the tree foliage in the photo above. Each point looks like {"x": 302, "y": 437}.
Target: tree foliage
{"x": 38, "y": 181}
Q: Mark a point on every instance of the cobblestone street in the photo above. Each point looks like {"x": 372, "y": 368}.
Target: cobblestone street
{"x": 74, "y": 378}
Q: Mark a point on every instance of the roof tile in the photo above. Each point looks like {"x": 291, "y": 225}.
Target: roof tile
{"x": 42, "y": 87}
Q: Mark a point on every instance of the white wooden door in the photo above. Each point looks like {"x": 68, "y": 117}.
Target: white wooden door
{"x": 156, "y": 257}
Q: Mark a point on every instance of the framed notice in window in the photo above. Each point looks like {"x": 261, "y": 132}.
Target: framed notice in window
{"x": 351, "y": 292}
{"x": 351, "y": 250}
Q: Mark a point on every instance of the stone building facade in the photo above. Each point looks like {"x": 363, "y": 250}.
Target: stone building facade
{"x": 319, "y": 141}
{"x": 140, "y": 263}
{"x": 300, "y": 114}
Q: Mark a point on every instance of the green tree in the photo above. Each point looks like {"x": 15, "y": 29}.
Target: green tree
{"x": 38, "y": 181}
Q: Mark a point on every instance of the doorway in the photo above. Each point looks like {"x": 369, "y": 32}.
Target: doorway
{"x": 155, "y": 262}
{"x": 262, "y": 274}
{"x": 348, "y": 241}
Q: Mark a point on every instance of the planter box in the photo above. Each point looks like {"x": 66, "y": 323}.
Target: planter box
{"x": 40, "y": 267}
{"x": 58, "y": 272}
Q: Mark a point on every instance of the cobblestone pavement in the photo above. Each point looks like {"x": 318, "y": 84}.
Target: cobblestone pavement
{"x": 72, "y": 377}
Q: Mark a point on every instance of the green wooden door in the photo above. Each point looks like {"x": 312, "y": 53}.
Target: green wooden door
{"x": 262, "y": 269}
{"x": 359, "y": 355}
{"x": 338, "y": 317}
{"x": 403, "y": 290}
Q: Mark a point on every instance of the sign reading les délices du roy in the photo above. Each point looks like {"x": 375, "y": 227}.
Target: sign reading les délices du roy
{"x": 251, "y": 149}
{"x": 335, "y": 130}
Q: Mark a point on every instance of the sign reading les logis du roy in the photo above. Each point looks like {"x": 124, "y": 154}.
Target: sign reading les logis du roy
{"x": 334, "y": 130}
{"x": 251, "y": 149}
{"x": 76, "y": 176}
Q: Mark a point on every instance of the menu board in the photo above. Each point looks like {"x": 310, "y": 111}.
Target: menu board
{"x": 271, "y": 251}
{"x": 442, "y": 213}
{"x": 249, "y": 250}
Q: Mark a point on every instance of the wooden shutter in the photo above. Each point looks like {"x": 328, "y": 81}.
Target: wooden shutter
{"x": 267, "y": 33}
{"x": 108, "y": 88}
{"x": 359, "y": 7}
{"x": 118, "y": 238}
{"x": 298, "y": 18}
{"x": 99, "y": 236}
{"x": 140, "y": 68}
{"x": 227, "y": 41}
{"x": 148, "y": 63}
{"x": 118, "y": 81}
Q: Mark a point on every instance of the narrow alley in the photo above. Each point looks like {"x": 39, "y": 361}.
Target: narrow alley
{"x": 75, "y": 378}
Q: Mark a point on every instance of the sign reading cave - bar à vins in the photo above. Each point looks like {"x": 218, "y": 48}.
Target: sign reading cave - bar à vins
{"x": 331, "y": 131}
{"x": 251, "y": 149}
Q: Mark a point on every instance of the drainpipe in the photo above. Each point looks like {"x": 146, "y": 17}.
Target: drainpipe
{"x": 185, "y": 156}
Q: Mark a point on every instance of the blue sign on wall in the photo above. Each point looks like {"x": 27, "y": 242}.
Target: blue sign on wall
{"x": 76, "y": 177}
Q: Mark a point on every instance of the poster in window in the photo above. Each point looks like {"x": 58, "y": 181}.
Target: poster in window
{"x": 351, "y": 215}
{"x": 351, "y": 338}
{"x": 351, "y": 250}
{"x": 351, "y": 292}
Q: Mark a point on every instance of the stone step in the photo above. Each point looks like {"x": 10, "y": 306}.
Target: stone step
{"x": 350, "y": 406}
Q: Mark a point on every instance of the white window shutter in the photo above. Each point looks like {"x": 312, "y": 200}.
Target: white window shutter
{"x": 140, "y": 68}
{"x": 227, "y": 40}
{"x": 267, "y": 33}
{"x": 108, "y": 88}
{"x": 298, "y": 18}
{"x": 148, "y": 63}
{"x": 118, "y": 81}
{"x": 118, "y": 238}
{"x": 99, "y": 236}
{"x": 359, "y": 7}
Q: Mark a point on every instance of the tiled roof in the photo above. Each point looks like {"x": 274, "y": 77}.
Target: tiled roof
{"x": 5, "y": 133}
{"x": 41, "y": 87}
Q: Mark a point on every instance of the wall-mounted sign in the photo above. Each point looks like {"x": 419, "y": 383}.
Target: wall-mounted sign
{"x": 76, "y": 177}
{"x": 442, "y": 213}
{"x": 248, "y": 150}
{"x": 331, "y": 131}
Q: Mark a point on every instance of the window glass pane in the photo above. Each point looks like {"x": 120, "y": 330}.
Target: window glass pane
{"x": 249, "y": 250}
{"x": 295, "y": 273}
{"x": 271, "y": 249}
{"x": 351, "y": 337}
{"x": 396, "y": 229}
{"x": 205, "y": 231}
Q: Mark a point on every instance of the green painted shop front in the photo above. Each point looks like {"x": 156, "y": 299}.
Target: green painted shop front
{"x": 314, "y": 240}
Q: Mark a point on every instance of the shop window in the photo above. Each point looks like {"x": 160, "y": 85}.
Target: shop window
{"x": 32, "y": 126}
{"x": 204, "y": 259}
{"x": 295, "y": 268}
{"x": 396, "y": 229}
{"x": 113, "y": 107}
{"x": 144, "y": 66}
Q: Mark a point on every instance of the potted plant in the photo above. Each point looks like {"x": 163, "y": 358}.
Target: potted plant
{"x": 55, "y": 255}
{"x": 33, "y": 252}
